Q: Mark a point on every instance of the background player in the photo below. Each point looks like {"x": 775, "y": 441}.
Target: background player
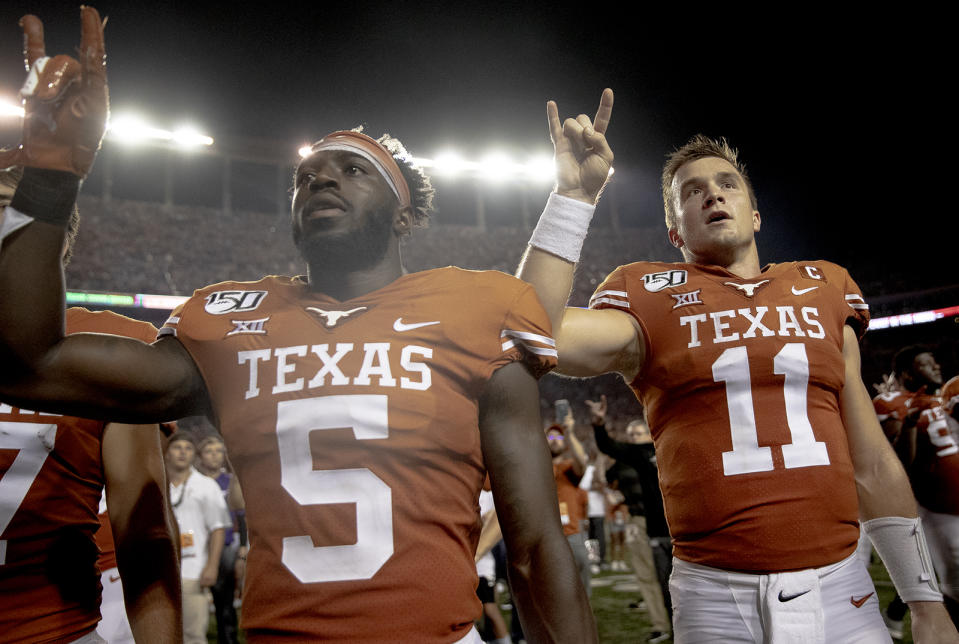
{"x": 53, "y": 471}
{"x": 362, "y": 407}
{"x": 750, "y": 379}
{"x": 914, "y": 420}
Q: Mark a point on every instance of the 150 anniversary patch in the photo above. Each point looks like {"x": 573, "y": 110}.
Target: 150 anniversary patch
{"x": 223, "y": 302}
{"x": 655, "y": 282}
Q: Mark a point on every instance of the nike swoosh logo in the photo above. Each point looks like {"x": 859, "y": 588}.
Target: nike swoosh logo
{"x": 859, "y": 602}
{"x": 789, "y": 598}
{"x": 114, "y": 579}
{"x": 800, "y": 291}
{"x": 399, "y": 326}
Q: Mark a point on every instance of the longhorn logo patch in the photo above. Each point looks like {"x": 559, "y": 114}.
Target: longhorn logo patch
{"x": 748, "y": 289}
{"x": 332, "y": 318}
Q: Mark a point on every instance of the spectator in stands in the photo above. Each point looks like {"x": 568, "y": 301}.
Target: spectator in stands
{"x": 202, "y": 516}
{"x": 651, "y": 552}
{"x": 213, "y": 463}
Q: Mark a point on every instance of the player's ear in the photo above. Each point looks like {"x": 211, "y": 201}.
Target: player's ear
{"x": 675, "y": 239}
{"x": 757, "y": 221}
{"x": 403, "y": 221}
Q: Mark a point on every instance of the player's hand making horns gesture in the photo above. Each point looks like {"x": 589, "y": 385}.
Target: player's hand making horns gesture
{"x": 65, "y": 100}
{"x": 582, "y": 155}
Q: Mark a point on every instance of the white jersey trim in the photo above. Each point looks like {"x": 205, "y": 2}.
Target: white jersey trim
{"x": 601, "y": 294}
{"x": 524, "y": 339}
{"x": 608, "y": 300}
{"x": 856, "y": 302}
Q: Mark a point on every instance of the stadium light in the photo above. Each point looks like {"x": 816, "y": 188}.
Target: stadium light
{"x": 188, "y": 136}
{"x": 541, "y": 169}
{"x": 450, "y": 164}
{"x": 131, "y": 129}
{"x": 9, "y": 108}
{"x": 496, "y": 166}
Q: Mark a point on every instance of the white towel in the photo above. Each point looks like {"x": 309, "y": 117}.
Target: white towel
{"x": 793, "y": 608}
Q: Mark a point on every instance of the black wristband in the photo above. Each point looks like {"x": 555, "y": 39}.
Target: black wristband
{"x": 47, "y": 195}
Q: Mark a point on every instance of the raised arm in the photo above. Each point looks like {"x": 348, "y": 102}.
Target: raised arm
{"x": 575, "y": 447}
{"x": 143, "y": 528}
{"x": 65, "y": 103}
{"x": 583, "y": 161}
{"x": 888, "y": 508}
{"x": 589, "y": 342}
{"x": 549, "y": 594}
{"x": 626, "y": 452}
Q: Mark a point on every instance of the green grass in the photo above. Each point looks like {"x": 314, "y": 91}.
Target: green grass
{"x": 615, "y": 621}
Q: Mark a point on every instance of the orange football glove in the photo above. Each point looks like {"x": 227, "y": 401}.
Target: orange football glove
{"x": 65, "y": 101}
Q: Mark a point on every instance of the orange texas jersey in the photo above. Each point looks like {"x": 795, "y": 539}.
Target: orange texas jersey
{"x": 897, "y": 405}
{"x": 353, "y": 429}
{"x": 741, "y": 390}
{"x": 51, "y": 477}
{"x": 935, "y": 470}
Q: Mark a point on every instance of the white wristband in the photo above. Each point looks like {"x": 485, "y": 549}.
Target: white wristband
{"x": 562, "y": 227}
{"x": 902, "y": 547}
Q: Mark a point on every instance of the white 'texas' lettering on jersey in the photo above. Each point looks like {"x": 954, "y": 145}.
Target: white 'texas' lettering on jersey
{"x": 747, "y": 323}
{"x": 287, "y": 375}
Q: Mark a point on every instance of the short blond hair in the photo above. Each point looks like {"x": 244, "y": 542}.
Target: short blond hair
{"x": 698, "y": 147}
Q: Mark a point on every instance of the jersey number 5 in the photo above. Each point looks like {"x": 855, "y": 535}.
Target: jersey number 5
{"x": 732, "y": 367}
{"x": 367, "y": 416}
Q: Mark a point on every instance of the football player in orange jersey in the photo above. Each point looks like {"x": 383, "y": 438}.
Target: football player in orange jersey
{"x": 915, "y": 420}
{"x": 55, "y": 472}
{"x": 362, "y": 406}
{"x": 767, "y": 446}
{"x": 919, "y": 377}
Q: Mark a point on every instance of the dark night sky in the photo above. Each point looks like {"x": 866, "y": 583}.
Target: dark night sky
{"x": 830, "y": 111}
